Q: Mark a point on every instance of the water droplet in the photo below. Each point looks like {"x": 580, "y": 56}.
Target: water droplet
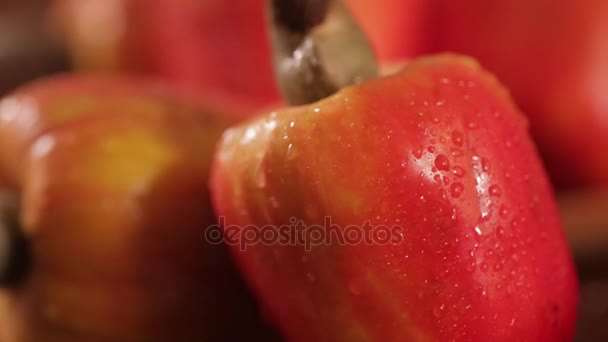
{"x": 437, "y": 178}
{"x": 291, "y": 152}
{"x": 456, "y": 153}
{"x": 431, "y": 149}
{"x": 457, "y": 138}
{"x": 438, "y": 311}
{"x": 472, "y": 125}
{"x": 500, "y": 232}
{"x": 440, "y": 103}
{"x": 503, "y": 212}
{"x": 494, "y": 191}
{"x": 317, "y": 110}
{"x": 292, "y": 124}
{"x": 485, "y": 217}
{"x": 478, "y": 231}
{"x": 417, "y": 153}
{"x": 483, "y": 267}
{"x": 454, "y": 216}
{"x": 456, "y": 189}
{"x": 446, "y": 180}
{"x": 485, "y": 164}
{"x": 458, "y": 171}
{"x": 471, "y": 265}
{"x": 442, "y": 162}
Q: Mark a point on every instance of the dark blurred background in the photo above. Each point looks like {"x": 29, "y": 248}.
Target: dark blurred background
{"x": 29, "y": 48}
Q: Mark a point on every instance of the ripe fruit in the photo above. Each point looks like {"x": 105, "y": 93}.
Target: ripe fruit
{"x": 217, "y": 47}
{"x": 220, "y": 47}
{"x": 438, "y": 149}
{"x": 396, "y": 28}
{"x": 552, "y": 55}
{"x": 435, "y": 162}
{"x": 111, "y": 177}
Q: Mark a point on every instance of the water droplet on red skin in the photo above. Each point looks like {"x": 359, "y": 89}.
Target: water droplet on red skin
{"x": 442, "y": 163}
{"x": 457, "y": 138}
{"x": 456, "y": 189}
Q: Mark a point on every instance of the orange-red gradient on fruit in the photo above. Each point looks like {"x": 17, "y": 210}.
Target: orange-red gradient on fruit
{"x": 437, "y": 150}
{"x": 112, "y": 176}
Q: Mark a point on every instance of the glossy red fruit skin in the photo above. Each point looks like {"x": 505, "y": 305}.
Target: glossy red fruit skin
{"x": 552, "y": 55}
{"x": 439, "y": 150}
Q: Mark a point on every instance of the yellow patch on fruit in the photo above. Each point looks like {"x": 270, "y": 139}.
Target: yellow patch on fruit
{"x": 128, "y": 161}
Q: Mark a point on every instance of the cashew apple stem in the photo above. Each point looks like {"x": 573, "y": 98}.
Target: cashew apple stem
{"x": 318, "y": 48}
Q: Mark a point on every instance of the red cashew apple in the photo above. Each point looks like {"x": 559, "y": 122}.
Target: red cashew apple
{"x": 397, "y": 29}
{"x": 553, "y": 55}
{"x": 435, "y": 161}
{"x": 111, "y": 180}
{"x": 218, "y": 46}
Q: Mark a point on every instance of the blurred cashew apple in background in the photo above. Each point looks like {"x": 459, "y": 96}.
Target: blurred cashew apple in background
{"x": 108, "y": 179}
{"x": 218, "y": 47}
